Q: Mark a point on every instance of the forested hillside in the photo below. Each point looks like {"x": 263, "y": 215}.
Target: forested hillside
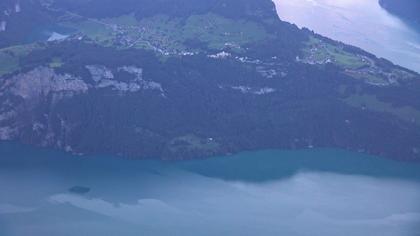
{"x": 171, "y": 80}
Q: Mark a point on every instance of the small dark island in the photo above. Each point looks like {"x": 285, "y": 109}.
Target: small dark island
{"x": 79, "y": 190}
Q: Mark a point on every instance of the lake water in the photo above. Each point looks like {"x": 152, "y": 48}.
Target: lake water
{"x": 50, "y": 32}
{"x": 308, "y": 192}
{"x": 362, "y": 23}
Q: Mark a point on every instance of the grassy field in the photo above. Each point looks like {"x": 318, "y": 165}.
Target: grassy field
{"x": 9, "y": 57}
{"x": 165, "y": 34}
{"x": 56, "y": 62}
{"x": 219, "y": 32}
{"x": 319, "y": 51}
{"x": 192, "y": 142}
{"x": 8, "y": 63}
{"x": 370, "y": 102}
{"x": 127, "y": 20}
{"x": 94, "y": 30}
{"x": 369, "y": 78}
{"x": 161, "y": 32}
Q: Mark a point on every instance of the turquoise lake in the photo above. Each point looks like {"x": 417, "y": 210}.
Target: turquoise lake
{"x": 271, "y": 192}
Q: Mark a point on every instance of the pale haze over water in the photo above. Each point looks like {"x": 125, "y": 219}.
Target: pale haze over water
{"x": 362, "y": 23}
{"x": 317, "y": 192}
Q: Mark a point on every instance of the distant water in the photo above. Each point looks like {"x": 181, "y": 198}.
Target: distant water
{"x": 56, "y": 37}
{"x": 362, "y": 23}
{"x": 50, "y": 32}
{"x": 309, "y": 192}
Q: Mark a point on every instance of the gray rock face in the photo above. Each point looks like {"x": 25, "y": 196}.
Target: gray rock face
{"x": 99, "y": 72}
{"x": 8, "y": 133}
{"x": 41, "y": 81}
{"x": 3, "y": 25}
{"x": 104, "y": 78}
{"x": 27, "y": 99}
{"x": 266, "y": 73}
{"x": 137, "y": 72}
{"x": 20, "y": 94}
{"x": 138, "y": 79}
{"x": 17, "y": 7}
{"x": 250, "y": 90}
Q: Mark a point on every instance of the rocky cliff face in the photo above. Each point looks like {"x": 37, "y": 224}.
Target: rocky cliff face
{"x": 29, "y": 98}
{"x": 22, "y": 94}
{"x": 104, "y": 78}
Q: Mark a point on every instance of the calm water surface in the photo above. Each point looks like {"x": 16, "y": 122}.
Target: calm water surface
{"x": 362, "y": 23}
{"x": 309, "y": 192}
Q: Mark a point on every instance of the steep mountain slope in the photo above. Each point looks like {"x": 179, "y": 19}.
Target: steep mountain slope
{"x": 192, "y": 78}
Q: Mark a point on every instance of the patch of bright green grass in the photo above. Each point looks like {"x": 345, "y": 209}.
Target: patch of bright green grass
{"x": 161, "y": 32}
{"x": 220, "y": 32}
{"x": 193, "y": 142}
{"x": 319, "y": 51}
{"x": 126, "y": 20}
{"x": 368, "y": 78}
{"x": 56, "y": 62}
{"x": 168, "y": 34}
{"x": 95, "y": 30}
{"x": 9, "y": 57}
{"x": 8, "y": 63}
{"x": 370, "y": 102}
